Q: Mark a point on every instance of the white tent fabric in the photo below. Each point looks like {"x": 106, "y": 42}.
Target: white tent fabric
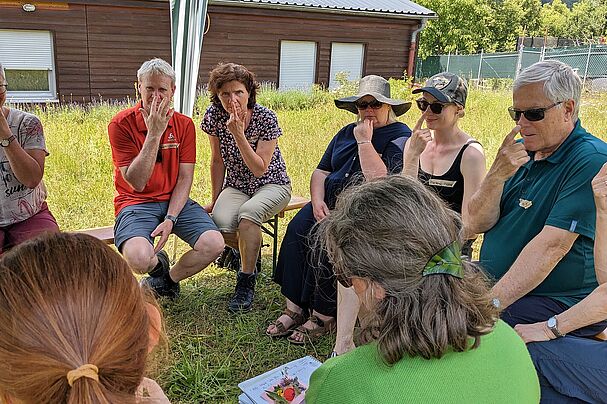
{"x": 187, "y": 28}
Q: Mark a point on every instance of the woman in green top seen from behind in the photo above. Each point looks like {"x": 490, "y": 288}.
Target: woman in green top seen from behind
{"x": 432, "y": 333}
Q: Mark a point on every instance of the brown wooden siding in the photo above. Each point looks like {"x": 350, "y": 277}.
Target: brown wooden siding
{"x": 120, "y": 42}
{"x": 98, "y": 48}
{"x": 252, "y": 37}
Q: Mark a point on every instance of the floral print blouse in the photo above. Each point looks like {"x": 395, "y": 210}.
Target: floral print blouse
{"x": 263, "y": 126}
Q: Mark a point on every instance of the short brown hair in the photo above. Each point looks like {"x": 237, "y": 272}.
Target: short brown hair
{"x": 386, "y": 231}
{"x": 226, "y": 72}
{"x": 69, "y": 300}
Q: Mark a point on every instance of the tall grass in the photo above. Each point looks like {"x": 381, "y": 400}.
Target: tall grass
{"x": 211, "y": 351}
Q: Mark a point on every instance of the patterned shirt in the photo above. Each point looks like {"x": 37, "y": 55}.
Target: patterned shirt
{"x": 263, "y": 126}
{"x": 18, "y": 202}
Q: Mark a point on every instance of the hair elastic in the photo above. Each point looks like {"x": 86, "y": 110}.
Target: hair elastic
{"x": 88, "y": 370}
{"x": 447, "y": 261}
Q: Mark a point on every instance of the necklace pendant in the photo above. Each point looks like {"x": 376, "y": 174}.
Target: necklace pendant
{"x": 524, "y": 203}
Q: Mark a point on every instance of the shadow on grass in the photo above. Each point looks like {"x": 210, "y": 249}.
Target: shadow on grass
{"x": 211, "y": 350}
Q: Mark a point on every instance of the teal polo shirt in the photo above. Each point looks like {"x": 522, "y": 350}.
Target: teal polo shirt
{"x": 560, "y": 193}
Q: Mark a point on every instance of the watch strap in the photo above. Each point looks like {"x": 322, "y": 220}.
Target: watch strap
{"x": 171, "y": 218}
{"x": 554, "y": 328}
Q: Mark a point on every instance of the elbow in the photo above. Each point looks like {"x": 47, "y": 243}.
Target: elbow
{"x": 601, "y": 291}
{"x": 136, "y": 187}
{"x": 32, "y": 183}
{"x": 259, "y": 173}
{"x": 557, "y": 248}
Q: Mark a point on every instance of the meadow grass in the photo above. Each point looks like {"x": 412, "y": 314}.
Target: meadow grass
{"x": 209, "y": 350}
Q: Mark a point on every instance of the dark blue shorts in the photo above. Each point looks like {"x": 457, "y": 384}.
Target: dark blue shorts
{"x": 571, "y": 370}
{"x": 140, "y": 221}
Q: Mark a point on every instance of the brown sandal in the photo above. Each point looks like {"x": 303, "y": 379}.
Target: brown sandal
{"x": 324, "y": 328}
{"x": 298, "y": 319}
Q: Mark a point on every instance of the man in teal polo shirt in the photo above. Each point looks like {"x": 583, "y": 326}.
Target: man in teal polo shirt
{"x": 535, "y": 205}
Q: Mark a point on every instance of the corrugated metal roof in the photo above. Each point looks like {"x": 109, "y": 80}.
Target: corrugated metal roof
{"x": 368, "y": 6}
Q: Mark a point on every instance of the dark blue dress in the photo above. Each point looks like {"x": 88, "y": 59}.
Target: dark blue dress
{"x": 308, "y": 279}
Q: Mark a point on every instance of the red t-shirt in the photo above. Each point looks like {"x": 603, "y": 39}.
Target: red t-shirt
{"x": 127, "y": 133}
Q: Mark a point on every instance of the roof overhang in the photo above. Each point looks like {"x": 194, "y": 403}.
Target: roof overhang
{"x": 325, "y": 10}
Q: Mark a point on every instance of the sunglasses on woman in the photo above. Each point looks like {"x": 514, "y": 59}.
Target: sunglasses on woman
{"x": 362, "y": 105}
{"x": 532, "y": 115}
{"x": 435, "y": 107}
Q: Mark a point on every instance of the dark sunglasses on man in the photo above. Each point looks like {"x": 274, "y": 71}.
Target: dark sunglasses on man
{"x": 532, "y": 115}
{"x": 3, "y": 88}
{"x": 435, "y": 107}
{"x": 362, "y": 105}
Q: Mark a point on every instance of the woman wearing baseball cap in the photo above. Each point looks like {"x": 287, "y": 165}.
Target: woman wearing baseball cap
{"x": 441, "y": 155}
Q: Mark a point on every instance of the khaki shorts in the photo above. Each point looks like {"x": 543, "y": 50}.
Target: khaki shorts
{"x": 233, "y": 205}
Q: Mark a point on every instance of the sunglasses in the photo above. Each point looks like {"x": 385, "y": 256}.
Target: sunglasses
{"x": 362, "y": 105}
{"x": 435, "y": 107}
{"x": 532, "y": 115}
{"x": 3, "y": 88}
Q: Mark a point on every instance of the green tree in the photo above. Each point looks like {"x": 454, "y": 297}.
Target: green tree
{"x": 588, "y": 19}
{"x": 556, "y": 19}
{"x": 462, "y": 25}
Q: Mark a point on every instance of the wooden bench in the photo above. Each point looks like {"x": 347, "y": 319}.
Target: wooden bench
{"x": 270, "y": 228}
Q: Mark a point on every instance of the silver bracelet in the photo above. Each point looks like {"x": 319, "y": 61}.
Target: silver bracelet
{"x": 363, "y": 142}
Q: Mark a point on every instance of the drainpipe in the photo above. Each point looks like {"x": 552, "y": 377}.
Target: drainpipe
{"x": 413, "y": 48}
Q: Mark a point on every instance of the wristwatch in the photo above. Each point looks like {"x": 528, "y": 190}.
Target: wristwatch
{"x": 496, "y": 302}
{"x": 171, "y": 218}
{"x": 553, "y": 325}
{"x": 7, "y": 141}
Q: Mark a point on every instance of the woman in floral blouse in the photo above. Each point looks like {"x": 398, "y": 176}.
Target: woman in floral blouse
{"x": 248, "y": 174}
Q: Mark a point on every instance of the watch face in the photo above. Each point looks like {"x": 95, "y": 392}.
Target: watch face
{"x": 551, "y": 322}
{"x": 4, "y": 142}
{"x": 496, "y": 302}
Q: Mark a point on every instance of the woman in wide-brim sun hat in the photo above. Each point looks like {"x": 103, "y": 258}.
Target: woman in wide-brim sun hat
{"x": 369, "y": 148}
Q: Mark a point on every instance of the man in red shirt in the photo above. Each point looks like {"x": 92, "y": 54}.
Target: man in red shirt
{"x": 154, "y": 152}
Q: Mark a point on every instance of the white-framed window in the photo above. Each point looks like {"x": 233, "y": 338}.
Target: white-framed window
{"x": 346, "y": 57}
{"x": 297, "y": 65}
{"x": 28, "y": 61}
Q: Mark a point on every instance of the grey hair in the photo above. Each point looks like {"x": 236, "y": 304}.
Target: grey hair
{"x": 156, "y": 66}
{"x": 386, "y": 231}
{"x": 561, "y": 82}
{"x": 2, "y": 73}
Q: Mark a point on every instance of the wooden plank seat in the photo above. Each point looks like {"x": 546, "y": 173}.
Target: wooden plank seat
{"x": 270, "y": 228}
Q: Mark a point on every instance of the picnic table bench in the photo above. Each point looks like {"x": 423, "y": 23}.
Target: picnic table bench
{"x": 106, "y": 233}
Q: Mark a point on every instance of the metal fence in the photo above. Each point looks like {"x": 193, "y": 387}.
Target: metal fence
{"x": 589, "y": 61}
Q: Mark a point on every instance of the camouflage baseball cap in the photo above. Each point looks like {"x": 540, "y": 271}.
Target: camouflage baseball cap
{"x": 446, "y": 87}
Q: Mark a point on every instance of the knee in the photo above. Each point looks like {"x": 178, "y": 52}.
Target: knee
{"x": 210, "y": 243}
{"x": 140, "y": 260}
{"x": 246, "y": 225}
{"x": 224, "y": 220}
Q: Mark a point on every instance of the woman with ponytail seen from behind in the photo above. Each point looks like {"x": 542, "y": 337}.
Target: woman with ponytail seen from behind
{"x": 74, "y": 325}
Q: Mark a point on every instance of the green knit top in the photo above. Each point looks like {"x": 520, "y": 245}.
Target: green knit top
{"x": 498, "y": 371}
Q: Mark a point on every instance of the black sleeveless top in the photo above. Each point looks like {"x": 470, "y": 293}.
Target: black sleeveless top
{"x": 449, "y": 186}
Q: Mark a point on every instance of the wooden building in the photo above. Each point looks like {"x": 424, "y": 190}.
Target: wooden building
{"x": 86, "y": 50}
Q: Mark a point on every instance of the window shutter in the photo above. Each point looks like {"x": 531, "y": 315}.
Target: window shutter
{"x": 297, "y": 65}
{"x": 346, "y": 57}
{"x": 31, "y": 50}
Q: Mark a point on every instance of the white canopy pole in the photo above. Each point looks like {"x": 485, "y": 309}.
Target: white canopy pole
{"x": 188, "y": 18}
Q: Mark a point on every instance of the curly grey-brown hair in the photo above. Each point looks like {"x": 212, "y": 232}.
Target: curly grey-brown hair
{"x": 385, "y": 231}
